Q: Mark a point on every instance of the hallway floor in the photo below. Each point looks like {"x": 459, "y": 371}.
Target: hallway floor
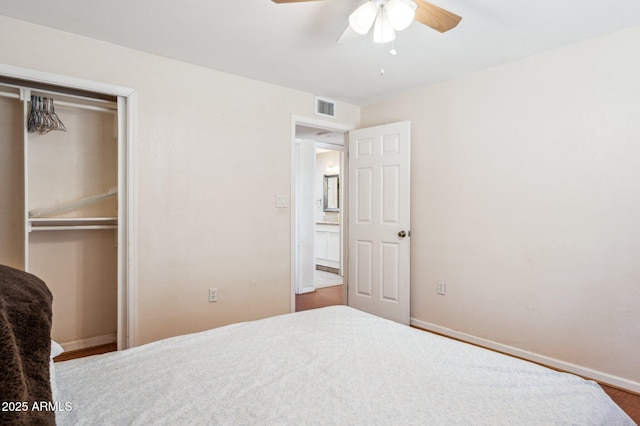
{"x": 320, "y": 298}
{"x": 326, "y": 279}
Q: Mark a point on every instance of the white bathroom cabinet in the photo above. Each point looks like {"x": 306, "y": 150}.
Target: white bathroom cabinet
{"x": 327, "y": 245}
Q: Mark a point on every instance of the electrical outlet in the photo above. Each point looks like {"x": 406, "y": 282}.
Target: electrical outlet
{"x": 442, "y": 287}
{"x": 213, "y": 295}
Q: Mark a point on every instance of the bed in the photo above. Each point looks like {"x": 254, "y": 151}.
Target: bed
{"x": 334, "y": 365}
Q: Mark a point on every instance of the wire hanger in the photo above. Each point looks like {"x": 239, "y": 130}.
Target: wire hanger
{"x": 43, "y": 117}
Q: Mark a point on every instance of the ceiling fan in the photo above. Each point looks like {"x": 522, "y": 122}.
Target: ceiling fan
{"x": 388, "y": 16}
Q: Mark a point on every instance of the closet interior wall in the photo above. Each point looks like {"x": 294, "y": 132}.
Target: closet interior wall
{"x": 11, "y": 180}
{"x": 62, "y": 209}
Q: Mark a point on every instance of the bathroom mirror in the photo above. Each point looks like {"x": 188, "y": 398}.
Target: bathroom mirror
{"x": 331, "y": 193}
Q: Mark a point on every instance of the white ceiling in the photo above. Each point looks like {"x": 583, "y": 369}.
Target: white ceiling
{"x": 294, "y": 45}
{"x": 320, "y": 135}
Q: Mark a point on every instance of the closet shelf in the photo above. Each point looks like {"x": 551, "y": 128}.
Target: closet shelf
{"x": 73, "y": 204}
{"x": 72, "y": 223}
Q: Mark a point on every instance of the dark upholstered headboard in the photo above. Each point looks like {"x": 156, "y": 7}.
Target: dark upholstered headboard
{"x": 25, "y": 345}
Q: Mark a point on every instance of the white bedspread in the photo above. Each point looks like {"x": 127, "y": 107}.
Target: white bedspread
{"x": 327, "y": 366}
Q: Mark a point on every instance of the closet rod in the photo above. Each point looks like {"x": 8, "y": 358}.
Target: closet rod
{"x": 102, "y": 103}
{"x": 84, "y": 106}
{"x": 105, "y": 104}
{"x": 72, "y": 227}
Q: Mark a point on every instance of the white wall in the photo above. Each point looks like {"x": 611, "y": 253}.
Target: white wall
{"x": 213, "y": 150}
{"x": 526, "y": 202}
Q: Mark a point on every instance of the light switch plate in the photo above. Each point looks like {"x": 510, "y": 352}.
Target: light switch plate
{"x": 282, "y": 201}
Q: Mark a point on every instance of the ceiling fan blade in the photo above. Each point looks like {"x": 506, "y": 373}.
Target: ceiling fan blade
{"x": 290, "y": 1}
{"x": 347, "y": 35}
{"x": 435, "y": 17}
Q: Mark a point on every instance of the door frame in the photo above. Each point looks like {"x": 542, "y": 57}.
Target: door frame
{"x": 344, "y": 214}
{"x": 127, "y": 205}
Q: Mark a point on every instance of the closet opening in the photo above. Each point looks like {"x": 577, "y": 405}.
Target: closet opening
{"x": 65, "y": 205}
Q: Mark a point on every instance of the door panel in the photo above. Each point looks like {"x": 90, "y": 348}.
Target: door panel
{"x": 364, "y": 268}
{"x": 390, "y": 273}
{"x": 379, "y": 205}
{"x": 390, "y": 194}
{"x": 364, "y": 206}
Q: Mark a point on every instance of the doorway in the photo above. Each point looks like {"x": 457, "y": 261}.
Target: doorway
{"x": 318, "y": 214}
{"x": 376, "y": 183}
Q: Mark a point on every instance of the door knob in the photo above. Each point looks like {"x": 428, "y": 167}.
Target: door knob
{"x": 402, "y": 234}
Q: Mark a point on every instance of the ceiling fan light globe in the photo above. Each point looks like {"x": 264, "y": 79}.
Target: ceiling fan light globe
{"x": 361, "y": 20}
{"x": 383, "y": 32}
{"x": 401, "y": 14}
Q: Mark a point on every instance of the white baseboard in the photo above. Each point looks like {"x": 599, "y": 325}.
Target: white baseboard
{"x": 568, "y": 367}
{"x": 88, "y": 343}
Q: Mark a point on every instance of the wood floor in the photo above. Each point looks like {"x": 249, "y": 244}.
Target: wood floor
{"x": 629, "y": 402}
{"x": 320, "y": 298}
{"x": 81, "y": 353}
{"x": 329, "y": 296}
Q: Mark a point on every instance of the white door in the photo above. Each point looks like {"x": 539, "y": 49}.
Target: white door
{"x": 379, "y": 219}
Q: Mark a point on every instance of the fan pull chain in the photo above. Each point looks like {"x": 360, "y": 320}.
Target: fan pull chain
{"x": 393, "y": 50}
